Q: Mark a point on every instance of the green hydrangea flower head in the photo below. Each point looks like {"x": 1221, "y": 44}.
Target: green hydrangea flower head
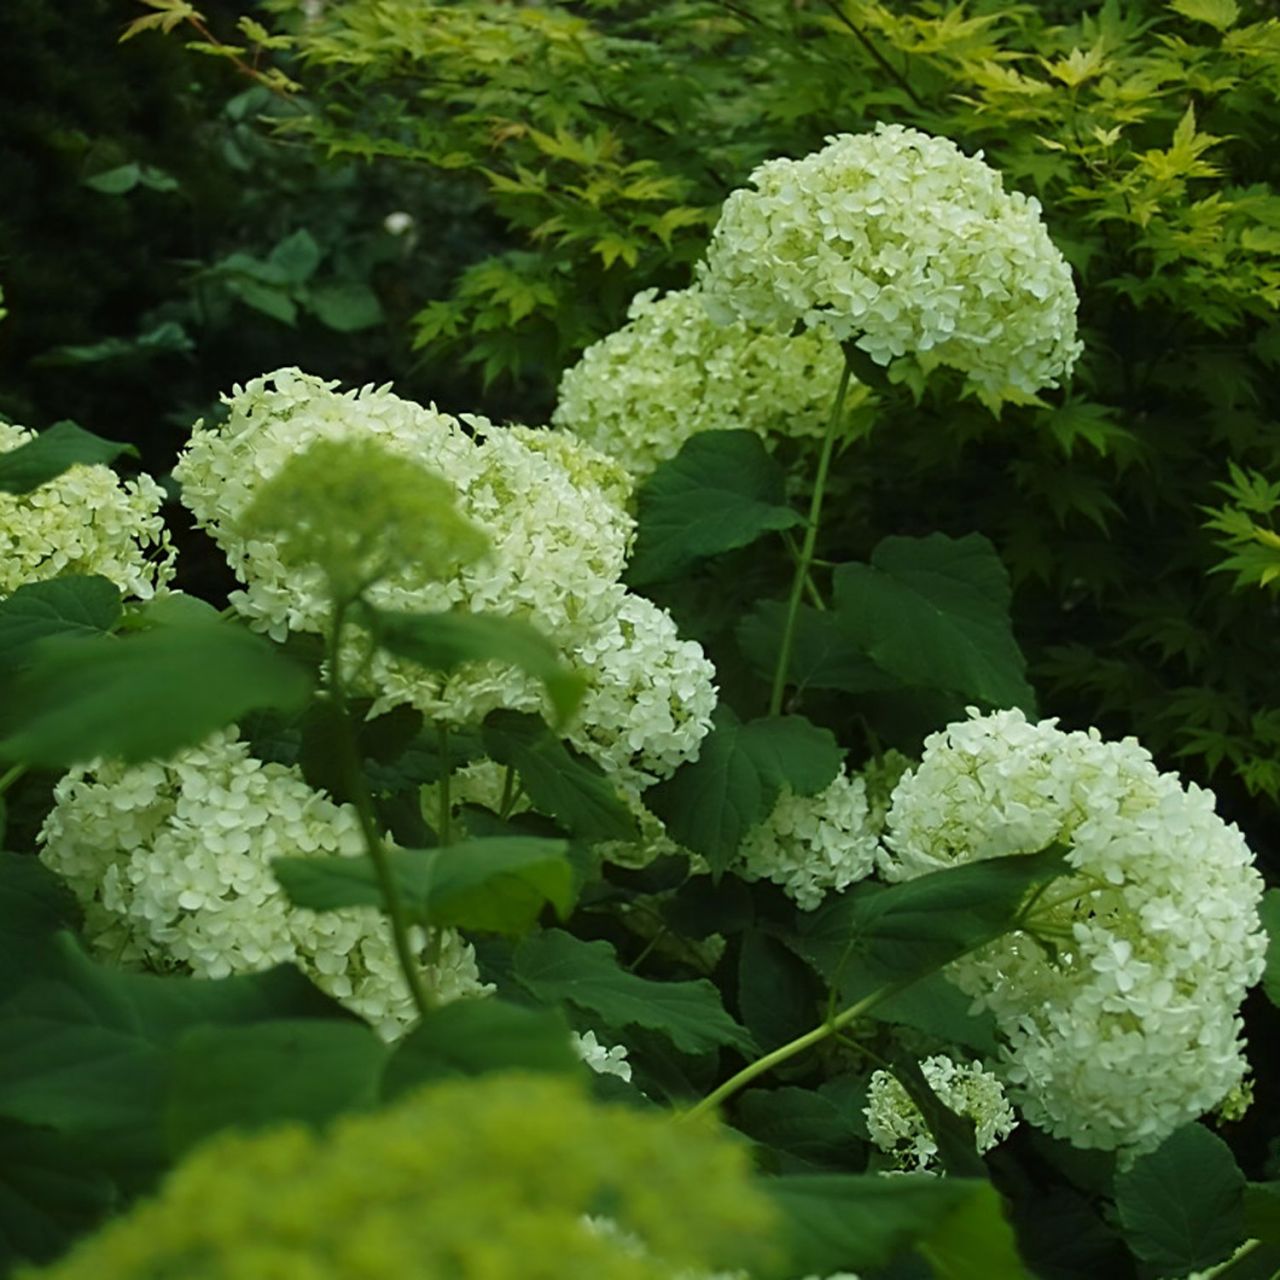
{"x": 481, "y": 1179}
{"x": 360, "y": 513}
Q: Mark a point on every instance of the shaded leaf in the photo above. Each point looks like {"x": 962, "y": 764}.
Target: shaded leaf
{"x": 345, "y": 308}
{"x": 53, "y": 451}
{"x": 70, "y": 606}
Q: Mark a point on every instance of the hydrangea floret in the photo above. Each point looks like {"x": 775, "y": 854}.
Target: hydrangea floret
{"x": 488, "y": 1177}
{"x": 603, "y": 1060}
{"x": 672, "y": 372}
{"x": 554, "y": 514}
{"x": 900, "y": 243}
{"x": 85, "y": 521}
{"x": 898, "y": 1127}
{"x": 814, "y": 845}
{"x": 172, "y": 861}
{"x": 1119, "y": 1002}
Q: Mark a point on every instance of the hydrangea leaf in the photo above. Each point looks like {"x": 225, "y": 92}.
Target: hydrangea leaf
{"x": 53, "y": 451}
{"x": 839, "y": 1222}
{"x": 569, "y": 787}
{"x": 34, "y": 906}
{"x": 554, "y": 965}
{"x": 824, "y": 1126}
{"x": 470, "y": 1037}
{"x": 345, "y": 306}
{"x": 1269, "y": 910}
{"x": 446, "y": 641}
{"x": 88, "y": 1049}
{"x": 1262, "y": 1211}
{"x": 249, "y": 1077}
{"x": 719, "y": 493}
{"x": 71, "y": 606}
{"x": 1182, "y": 1205}
{"x": 711, "y": 804}
{"x": 934, "y": 611}
{"x": 875, "y": 935}
{"x": 495, "y": 885}
{"x": 146, "y": 696}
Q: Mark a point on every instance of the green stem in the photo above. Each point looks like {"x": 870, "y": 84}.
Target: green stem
{"x": 444, "y": 824}
{"x": 11, "y": 776}
{"x": 810, "y": 543}
{"x": 811, "y": 587}
{"x": 358, "y": 790}
{"x": 508, "y": 793}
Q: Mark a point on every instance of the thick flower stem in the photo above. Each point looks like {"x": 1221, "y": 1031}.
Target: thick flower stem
{"x": 805, "y": 561}
{"x": 358, "y": 790}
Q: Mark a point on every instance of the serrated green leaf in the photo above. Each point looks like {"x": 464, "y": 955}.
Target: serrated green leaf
{"x": 62, "y": 446}
{"x": 345, "y": 308}
{"x": 1182, "y": 1205}
{"x": 87, "y": 606}
{"x": 495, "y": 885}
{"x": 571, "y": 788}
{"x": 711, "y": 804}
{"x": 144, "y": 696}
{"x": 720, "y": 492}
{"x": 1219, "y": 14}
{"x": 471, "y": 1037}
{"x": 934, "y": 611}
{"x": 824, "y": 1126}
{"x": 296, "y": 257}
{"x": 446, "y": 641}
{"x": 554, "y": 965}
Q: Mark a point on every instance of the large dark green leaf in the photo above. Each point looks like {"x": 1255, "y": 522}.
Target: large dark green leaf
{"x": 720, "y": 492}
{"x": 53, "y": 451}
{"x": 144, "y": 696}
{"x": 934, "y": 612}
{"x": 825, "y": 1126}
{"x": 34, "y": 906}
{"x": 246, "y": 1077}
{"x": 470, "y": 1037}
{"x": 711, "y": 804}
{"x": 851, "y": 1222}
{"x": 1182, "y": 1205}
{"x": 446, "y": 641}
{"x": 72, "y": 606}
{"x": 495, "y": 885}
{"x": 558, "y": 781}
{"x": 555, "y": 966}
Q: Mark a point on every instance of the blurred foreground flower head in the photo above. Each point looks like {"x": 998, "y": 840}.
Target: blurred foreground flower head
{"x": 1119, "y": 1004}
{"x": 466, "y": 1180}
{"x": 672, "y": 372}
{"x": 87, "y": 520}
{"x": 903, "y": 245}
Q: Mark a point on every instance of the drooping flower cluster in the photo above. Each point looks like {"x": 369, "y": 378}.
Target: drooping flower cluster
{"x": 671, "y": 372}
{"x": 87, "y": 520}
{"x": 486, "y": 1177}
{"x": 898, "y": 1127}
{"x": 1119, "y": 1004}
{"x": 555, "y": 515}
{"x": 901, "y": 243}
{"x": 171, "y": 861}
{"x": 814, "y": 845}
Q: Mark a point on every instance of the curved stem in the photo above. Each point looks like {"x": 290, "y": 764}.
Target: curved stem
{"x": 810, "y": 543}
{"x": 358, "y": 789}
{"x": 444, "y": 833}
{"x": 11, "y": 776}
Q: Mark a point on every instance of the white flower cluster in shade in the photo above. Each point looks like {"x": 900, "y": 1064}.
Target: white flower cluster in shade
{"x": 172, "y": 863}
{"x": 814, "y": 845}
{"x": 603, "y": 1061}
{"x": 84, "y": 521}
{"x": 901, "y": 243}
{"x": 555, "y": 512}
{"x": 672, "y": 372}
{"x": 898, "y": 1127}
{"x": 1119, "y": 1003}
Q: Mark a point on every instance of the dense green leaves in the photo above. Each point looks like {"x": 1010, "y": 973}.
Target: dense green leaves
{"x": 146, "y": 695}
{"x": 934, "y": 611}
{"x": 52, "y": 452}
{"x": 496, "y": 885}
{"x": 711, "y": 804}
{"x": 720, "y": 492}
{"x": 1181, "y": 1206}
{"x": 554, "y": 966}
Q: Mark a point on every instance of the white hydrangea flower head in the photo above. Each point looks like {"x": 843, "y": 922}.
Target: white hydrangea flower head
{"x": 814, "y": 845}
{"x": 172, "y": 864}
{"x": 1119, "y": 1008}
{"x": 672, "y": 372}
{"x": 603, "y": 1061}
{"x": 898, "y": 1127}
{"x": 87, "y": 520}
{"x": 902, "y": 244}
{"x": 555, "y": 512}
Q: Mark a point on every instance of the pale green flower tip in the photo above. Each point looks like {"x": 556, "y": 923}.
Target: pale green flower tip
{"x": 360, "y": 514}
